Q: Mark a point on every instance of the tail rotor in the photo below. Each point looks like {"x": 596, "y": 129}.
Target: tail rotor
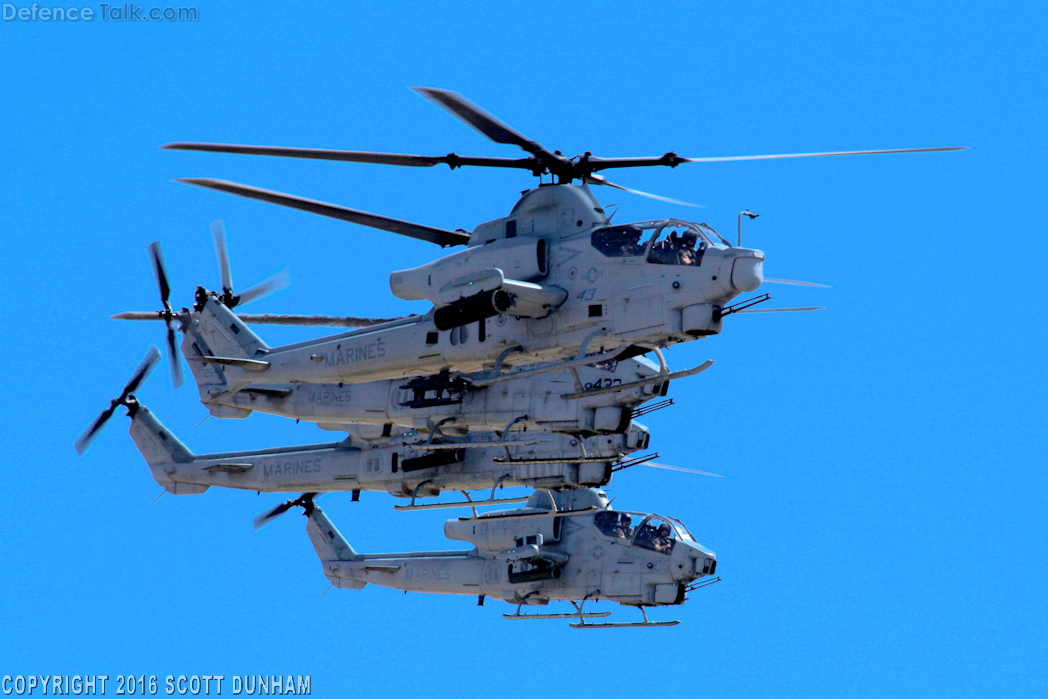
{"x": 305, "y": 501}
{"x": 156, "y": 256}
{"x": 279, "y": 281}
{"x": 126, "y": 399}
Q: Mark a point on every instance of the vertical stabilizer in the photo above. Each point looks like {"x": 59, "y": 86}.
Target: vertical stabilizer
{"x": 224, "y": 333}
{"x": 215, "y": 331}
{"x": 329, "y": 544}
{"x": 332, "y": 549}
{"x": 161, "y": 449}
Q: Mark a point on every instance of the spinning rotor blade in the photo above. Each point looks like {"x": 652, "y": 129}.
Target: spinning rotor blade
{"x": 354, "y": 156}
{"x": 818, "y": 155}
{"x": 681, "y": 468}
{"x": 314, "y": 320}
{"x": 305, "y": 501}
{"x": 156, "y": 255}
{"x": 797, "y": 283}
{"x": 218, "y": 235}
{"x": 597, "y": 179}
{"x": 783, "y": 310}
{"x": 412, "y": 230}
{"x": 276, "y": 319}
{"x": 138, "y": 315}
{"x": 174, "y": 356}
{"x": 671, "y": 159}
{"x": 499, "y": 132}
{"x": 484, "y": 122}
{"x": 278, "y": 282}
{"x": 141, "y": 372}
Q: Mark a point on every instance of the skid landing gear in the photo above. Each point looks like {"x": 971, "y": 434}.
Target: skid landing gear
{"x": 579, "y": 614}
{"x": 624, "y": 625}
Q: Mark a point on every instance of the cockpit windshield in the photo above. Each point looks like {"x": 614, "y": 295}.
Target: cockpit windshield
{"x": 668, "y": 242}
{"x": 652, "y": 532}
{"x": 618, "y": 525}
{"x": 655, "y": 533}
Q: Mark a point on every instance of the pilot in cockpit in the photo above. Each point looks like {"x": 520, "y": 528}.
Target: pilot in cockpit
{"x": 625, "y": 525}
{"x": 663, "y": 539}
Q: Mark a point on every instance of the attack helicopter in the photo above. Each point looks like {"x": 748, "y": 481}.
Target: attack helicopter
{"x": 594, "y": 398}
{"x": 566, "y": 545}
{"x": 553, "y": 282}
{"x": 396, "y": 461}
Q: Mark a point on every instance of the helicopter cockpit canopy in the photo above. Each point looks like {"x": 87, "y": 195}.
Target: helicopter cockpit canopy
{"x": 653, "y": 532}
{"x": 667, "y": 242}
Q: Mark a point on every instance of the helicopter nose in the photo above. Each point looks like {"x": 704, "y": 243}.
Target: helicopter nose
{"x": 706, "y": 564}
{"x": 747, "y": 271}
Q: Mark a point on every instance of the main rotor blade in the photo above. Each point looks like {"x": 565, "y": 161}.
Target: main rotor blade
{"x": 597, "y": 179}
{"x": 218, "y": 235}
{"x": 671, "y": 159}
{"x": 820, "y": 155}
{"x": 668, "y": 467}
{"x": 355, "y": 156}
{"x": 412, "y": 230}
{"x": 277, "y": 319}
{"x": 138, "y": 315}
{"x": 783, "y": 310}
{"x": 794, "y": 282}
{"x": 314, "y": 320}
{"x": 492, "y": 127}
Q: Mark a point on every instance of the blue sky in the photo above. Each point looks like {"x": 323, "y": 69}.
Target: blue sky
{"x": 880, "y": 532}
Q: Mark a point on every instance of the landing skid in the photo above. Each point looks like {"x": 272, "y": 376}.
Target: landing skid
{"x": 624, "y": 624}
{"x": 466, "y": 503}
{"x": 576, "y": 615}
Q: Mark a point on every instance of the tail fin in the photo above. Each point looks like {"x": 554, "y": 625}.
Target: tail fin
{"x": 226, "y": 334}
{"x": 329, "y": 544}
{"x": 217, "y": 332}
{"x": 161, "y": 449}
{"x": 331, "y": 548}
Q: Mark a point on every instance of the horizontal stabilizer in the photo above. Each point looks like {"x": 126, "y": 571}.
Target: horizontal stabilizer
{"x": 383, "y": 569}
{"x": 229, "y": 468}
{"x": 268, "y": 392}
{"x": 248, "y": 364}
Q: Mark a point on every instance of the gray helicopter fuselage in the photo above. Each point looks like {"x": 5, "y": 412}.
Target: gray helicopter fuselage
{"x": 533, "y": 556}
{"x": 534, "y": 402}
{"x": 611, "y": 299}
{"x": 399, "y": 465}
